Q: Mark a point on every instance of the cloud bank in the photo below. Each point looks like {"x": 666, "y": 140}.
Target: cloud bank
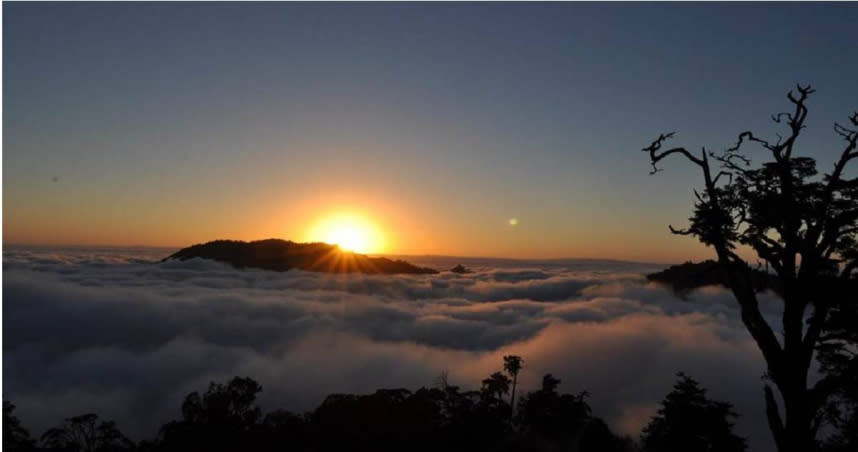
{"x": 117, "y": 333}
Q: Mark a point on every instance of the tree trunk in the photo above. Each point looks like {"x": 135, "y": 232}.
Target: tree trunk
{"x": 794, "y": 433}
{"x": 798, "y": 436}
{"x": 512, "y": 398}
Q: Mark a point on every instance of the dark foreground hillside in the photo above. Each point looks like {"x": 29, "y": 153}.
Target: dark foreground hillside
{"x": 282, "y": 255}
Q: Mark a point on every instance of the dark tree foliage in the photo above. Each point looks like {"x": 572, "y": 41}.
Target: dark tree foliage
{"x": 492, "y": 405}
{"x": 227, "y": 418}
{"x": 689, "y": 421}
{"x": 15, "y": 437}
{"x": 548, "y": 414}
{"x": 802, "y": 225}
{"x": 85, "y": 433}
{"x": 221, "y": 419}
{"x": 841, "y": 409}
{"x": 494, "y": 388}
{"x": 429, "y": 419}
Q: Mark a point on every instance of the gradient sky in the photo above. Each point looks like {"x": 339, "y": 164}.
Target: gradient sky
{"x": 177, "y": 123}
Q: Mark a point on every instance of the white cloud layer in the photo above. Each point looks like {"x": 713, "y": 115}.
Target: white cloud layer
{"x": 116, "y": 333}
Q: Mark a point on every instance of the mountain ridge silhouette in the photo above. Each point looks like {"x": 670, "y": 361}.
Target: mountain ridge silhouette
{"x": 283, "y": 255}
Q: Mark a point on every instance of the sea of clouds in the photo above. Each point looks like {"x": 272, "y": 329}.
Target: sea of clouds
{"x": 118, "y": 333}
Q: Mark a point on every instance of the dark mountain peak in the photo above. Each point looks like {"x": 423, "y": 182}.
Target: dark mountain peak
{"x": 686, "y": 277}
{"x": 461, "y": 269}
{"x": 282, "y": 255}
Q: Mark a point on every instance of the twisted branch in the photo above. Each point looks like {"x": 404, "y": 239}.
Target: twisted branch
{"x": 655, "y": 157}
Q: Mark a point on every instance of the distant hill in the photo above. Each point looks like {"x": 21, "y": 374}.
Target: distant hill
{"x": 461, "y": 269}
{"x": 692, "y": 275}
{"x": 282, "y": 255}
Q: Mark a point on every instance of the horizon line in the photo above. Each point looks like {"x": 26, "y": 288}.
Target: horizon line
{"x": 451, "y": 256}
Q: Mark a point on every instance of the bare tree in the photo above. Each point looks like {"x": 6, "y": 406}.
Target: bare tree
{"x": 85, "y": 434}
{"x": 806, "y": 228}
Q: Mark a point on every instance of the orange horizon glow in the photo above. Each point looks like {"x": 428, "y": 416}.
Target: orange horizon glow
{"x": 365, "y": 220}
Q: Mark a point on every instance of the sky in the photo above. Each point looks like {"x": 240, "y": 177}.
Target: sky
{"x": 170, "y": 124}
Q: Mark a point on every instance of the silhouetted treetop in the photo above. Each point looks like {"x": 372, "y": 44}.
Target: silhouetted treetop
{"x": 225, "y": 417}
{"x": 15, "y": 437}
{"x": 496, "y": 386}
{"x": 233, "y": 403}
{"x": 85, "y": 433}
{"x": 689, "y": 421}
{"x": 549, "y": 414}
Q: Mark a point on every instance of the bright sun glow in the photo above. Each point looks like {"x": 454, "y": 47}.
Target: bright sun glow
{"x": 350, "y": 232}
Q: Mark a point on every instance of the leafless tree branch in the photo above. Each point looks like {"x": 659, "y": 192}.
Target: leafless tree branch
{"x": 655, "y": 156}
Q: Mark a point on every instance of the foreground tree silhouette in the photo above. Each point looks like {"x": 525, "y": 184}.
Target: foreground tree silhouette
{"x": 15, "y": 437}
{"x": 558, "y": 417}
{"x": 85, "y": 434}
{"x": 689, "y": 421}
{"x": 495, "y": 387}
{"x": 806, "y": 228}
{"x": 221, "y": 419}
{"x": 227, "y": 418}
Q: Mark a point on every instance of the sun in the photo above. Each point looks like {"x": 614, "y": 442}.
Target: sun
{"x": 349, "y": 238}
{"x": 351, "y": 232}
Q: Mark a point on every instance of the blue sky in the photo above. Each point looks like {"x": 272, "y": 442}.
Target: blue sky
{"x": 170, "y": 123}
